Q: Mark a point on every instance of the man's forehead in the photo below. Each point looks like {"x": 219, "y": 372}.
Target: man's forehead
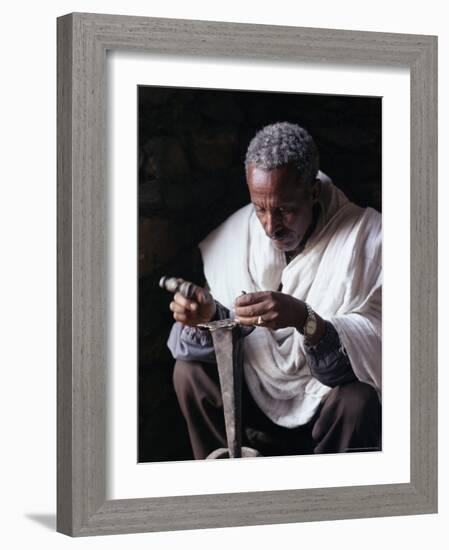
{"x": 276, "y": 198}
{"x": 284, "y": 182}
{"x": 283, "y": 170}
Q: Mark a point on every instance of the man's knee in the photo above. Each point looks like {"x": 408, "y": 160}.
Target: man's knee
{"x": 192, "y": 379}
{"x": 183, "y": 376}
{"x": 358, "y": 400}
{"x": 355, "y": 403}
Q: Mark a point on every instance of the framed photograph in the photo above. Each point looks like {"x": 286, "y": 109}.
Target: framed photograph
{"x": 155, "y": 118}
{"x": 191, "y": 148}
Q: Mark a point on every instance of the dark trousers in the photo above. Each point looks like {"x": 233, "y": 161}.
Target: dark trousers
{"x": 347, "y": 420}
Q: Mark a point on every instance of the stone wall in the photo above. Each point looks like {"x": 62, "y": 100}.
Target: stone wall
{"x": 192, "y": 145}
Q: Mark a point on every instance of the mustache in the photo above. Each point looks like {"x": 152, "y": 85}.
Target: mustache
{"x": 277, "y": 235}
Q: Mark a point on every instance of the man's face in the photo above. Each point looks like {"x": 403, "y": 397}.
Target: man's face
{"x": 283, "y": 204}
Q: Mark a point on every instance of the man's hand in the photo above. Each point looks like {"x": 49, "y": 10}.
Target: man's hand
{"x": 275, "y": 310}
{"x": 200, "y": 309}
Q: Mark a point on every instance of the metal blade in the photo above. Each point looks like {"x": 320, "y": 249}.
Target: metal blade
{"x": 227, "y": 346}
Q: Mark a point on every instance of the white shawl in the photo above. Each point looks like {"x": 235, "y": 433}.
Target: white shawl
{"x": 338, "y": 274}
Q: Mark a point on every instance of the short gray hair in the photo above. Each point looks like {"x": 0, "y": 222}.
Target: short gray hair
{"x": 284, "y": 143}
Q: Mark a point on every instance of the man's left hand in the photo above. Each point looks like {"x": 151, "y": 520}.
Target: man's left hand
{"x": 272, "y": 310}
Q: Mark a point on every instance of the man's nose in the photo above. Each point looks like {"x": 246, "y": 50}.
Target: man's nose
{"x": 273, "y": 225}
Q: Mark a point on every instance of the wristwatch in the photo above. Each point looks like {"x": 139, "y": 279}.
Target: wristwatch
{"x": 310, "y": 324}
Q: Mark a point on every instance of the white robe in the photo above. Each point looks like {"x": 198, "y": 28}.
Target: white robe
{"x": 339, "y": 274}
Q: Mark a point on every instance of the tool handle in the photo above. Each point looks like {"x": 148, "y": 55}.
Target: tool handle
{"x": 175, "y": 284}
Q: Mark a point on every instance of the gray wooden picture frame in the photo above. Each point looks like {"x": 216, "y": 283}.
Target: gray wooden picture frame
{"x": 83, "y": 40}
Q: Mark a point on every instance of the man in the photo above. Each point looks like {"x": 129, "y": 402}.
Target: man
{"x": 309, "y": 261}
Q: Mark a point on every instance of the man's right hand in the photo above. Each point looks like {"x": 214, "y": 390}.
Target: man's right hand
{"x": 199, "y": 309}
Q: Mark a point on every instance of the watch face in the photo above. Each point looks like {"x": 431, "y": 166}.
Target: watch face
{"x": 310, "y": 327}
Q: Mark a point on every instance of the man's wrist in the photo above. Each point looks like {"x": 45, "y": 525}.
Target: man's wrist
{"x": 301, "y": 316}
{"x": 318, "y": 334}
{"x": 214, "y": 313}
{"x": 311, "y": 340}
{"x": 220, "y": 312}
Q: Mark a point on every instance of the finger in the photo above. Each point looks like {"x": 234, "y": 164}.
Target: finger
{"x": 202, "y": 295}
{"x": 250, "y": 298}
{"x": 244, "y": 320}
{"x": 268, "y": 320}
{"x": 184, "y": 302}
{"x": 251, "y": 311}
{"x": 181, "y": 317}
{"x": 177, "y": 308}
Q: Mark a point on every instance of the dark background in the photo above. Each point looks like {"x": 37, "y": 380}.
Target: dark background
{"x": 192, "y": 145}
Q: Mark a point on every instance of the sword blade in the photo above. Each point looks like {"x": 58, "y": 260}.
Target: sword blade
{"x": 227, "y": 346}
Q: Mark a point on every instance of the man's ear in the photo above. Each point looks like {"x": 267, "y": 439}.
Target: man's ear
{"x": 316, "y": 189}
